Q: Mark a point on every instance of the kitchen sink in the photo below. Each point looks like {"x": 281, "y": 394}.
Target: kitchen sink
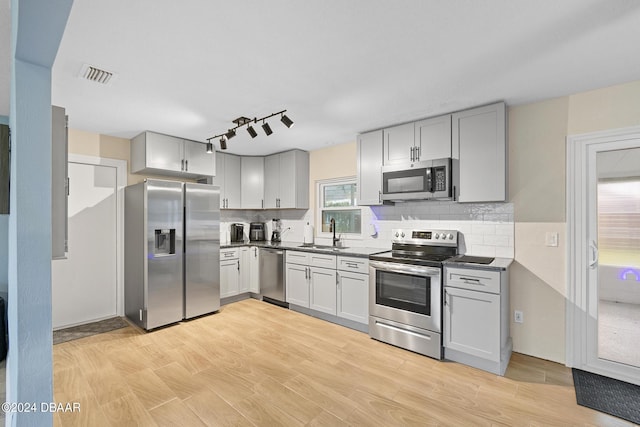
{"x": 322, "y": 247}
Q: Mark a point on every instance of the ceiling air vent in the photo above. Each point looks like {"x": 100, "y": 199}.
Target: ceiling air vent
{"x": 96, "y": 74}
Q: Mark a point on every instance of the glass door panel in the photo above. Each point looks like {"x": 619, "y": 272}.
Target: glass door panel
{"x": 618, "y": 256}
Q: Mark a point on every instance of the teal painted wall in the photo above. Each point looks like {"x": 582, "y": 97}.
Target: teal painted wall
{"x": 37, "y": 27}
{"x": 4, "y": 242}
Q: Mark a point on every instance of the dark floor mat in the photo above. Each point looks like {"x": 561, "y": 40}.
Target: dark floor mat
{"x": 89, "y": 329}
{"x": 607, "y": 395}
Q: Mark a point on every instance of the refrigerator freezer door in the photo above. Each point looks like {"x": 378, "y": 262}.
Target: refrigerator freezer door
{"x": 164, "y": 288}
{"x": 202, "y": 249}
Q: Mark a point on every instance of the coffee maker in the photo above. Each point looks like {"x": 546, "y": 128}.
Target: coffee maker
{"x": 257, "y": 232}
{"x": 237, "y": 233}
{"x": 276, "y": 232}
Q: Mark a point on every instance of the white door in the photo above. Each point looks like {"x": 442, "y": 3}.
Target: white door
{"x": 605, "y": 259}
{"x": 84, "y": 285}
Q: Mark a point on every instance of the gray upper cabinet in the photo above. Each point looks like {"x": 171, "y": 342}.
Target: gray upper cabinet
{"x": 426, "y": 139}
{"x": 433, "y": 138}
{"x": 479, "y": 143}
{"x": 228, "y": 179}
{"x": 286, "y": 180}
{"x": 252, "y": 182}
{"x": 197, "y": 160}
{"x": 169, "y": 155}
{"x": 369, "y": 168}
{"x": 59, "y": 183}
{"x": 399, "y": 144}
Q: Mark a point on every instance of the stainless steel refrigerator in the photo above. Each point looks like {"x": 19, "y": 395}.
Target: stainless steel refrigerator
{"x": 172, "y": 251}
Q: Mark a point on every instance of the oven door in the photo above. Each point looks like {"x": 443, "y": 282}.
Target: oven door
{"x": 405, "y": 293}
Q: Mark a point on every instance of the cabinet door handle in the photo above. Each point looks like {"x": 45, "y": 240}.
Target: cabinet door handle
{"x": 186, "y": 165}
{"x": 379, "y": 196}
{"x": 418, "y": 153}
{"x": 255, "y": 252}
{"x": 262, "y": 203}
{"x": 337, "y": 279}
{"x": 182, "y": 164}
{"x": 411, "y": 154}
{"x": 238, "y": 265}
{"x": 352, "y": 264}
{"x": 470, "y": 281}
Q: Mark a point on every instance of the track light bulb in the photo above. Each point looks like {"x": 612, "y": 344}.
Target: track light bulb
{"x": 286, "y": 120}
{"x": 252, "y": 131}
{"x": 223, "y": 143}
{"x": 266, "y": 128}
{"x": 231, "y": 134}
{"x": 209, "y": 148}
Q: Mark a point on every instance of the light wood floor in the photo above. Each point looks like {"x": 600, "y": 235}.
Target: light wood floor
{"x": 257, "y": 364}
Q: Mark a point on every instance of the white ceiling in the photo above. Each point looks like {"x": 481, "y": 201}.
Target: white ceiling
{"x": 339, "y": 67}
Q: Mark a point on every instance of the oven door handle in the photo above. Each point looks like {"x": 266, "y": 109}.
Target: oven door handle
{"x": 405, "y": 269}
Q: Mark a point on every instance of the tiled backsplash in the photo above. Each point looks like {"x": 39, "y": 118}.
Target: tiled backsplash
{"x": 486, "y": 229}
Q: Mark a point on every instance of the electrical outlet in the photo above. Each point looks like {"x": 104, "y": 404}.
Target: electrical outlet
{"x": 518, "y": 316}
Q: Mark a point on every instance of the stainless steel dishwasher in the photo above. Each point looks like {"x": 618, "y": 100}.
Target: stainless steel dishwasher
{"x": 272, "y": 276}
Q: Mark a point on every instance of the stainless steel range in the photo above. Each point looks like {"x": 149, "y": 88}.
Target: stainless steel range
{"x": 405, "y": 290}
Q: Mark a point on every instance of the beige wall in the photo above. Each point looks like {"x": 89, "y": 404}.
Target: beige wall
{"x": 536, "y": 141}
{"x": 336, "y": 161}
{"x": 97, "y": 145}
{"x": 537, "y": 165}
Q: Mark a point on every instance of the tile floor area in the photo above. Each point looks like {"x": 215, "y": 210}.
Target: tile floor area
{"x": 618, "y": 329}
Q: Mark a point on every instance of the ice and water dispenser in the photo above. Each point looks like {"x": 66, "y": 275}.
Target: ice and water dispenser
{"x": 165, "y": 242}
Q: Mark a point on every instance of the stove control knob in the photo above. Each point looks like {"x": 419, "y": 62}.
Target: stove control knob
{"x": 437, "y": 236}
{"x": 450, "y": 236}
{"x": 402, "y": 235}
{"x": 397, "y": 235}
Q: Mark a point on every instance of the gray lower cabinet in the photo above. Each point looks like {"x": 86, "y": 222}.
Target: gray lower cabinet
{"x": 369, "y": 168}
{"x": 337, "y": 287}
{"x": 353, "y": 296}
{"x": 479, "y": 144}
{"x": 476, "y": 318}
{"x": 229, "y": 272}
{"x": 254, "y": 270}
{"x": 157, "y": 153}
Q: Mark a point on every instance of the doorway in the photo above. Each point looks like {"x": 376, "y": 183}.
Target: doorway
{"x": 87, "y": 284}
{"x": 603, "y": 197}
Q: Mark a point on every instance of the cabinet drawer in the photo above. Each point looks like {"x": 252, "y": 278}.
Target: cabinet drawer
{"x": 229, "y": 254}
{"x": 357, "y": 265}
{"x": 475, "y": 280}
{"x": 295, "y": 257}
{"x": 321, "y": 260}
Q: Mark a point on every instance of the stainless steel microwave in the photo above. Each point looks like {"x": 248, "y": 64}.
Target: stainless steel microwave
{"x": 431, "y": 179}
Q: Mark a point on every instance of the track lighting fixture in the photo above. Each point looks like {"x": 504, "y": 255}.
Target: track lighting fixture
{"x": 286, "y": 120}
{"x": 209, "y": 148}
{"x": 266, "y": 128}
{"x": 245, "y": 121}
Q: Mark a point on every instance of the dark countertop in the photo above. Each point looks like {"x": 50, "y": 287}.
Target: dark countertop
{"x": 360, "y": 252}
{"x": 499, "y": 264}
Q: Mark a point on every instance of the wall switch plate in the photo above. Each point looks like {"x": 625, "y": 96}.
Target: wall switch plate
{"x": 518, "y": 316}
{"x": 551, "y": 238}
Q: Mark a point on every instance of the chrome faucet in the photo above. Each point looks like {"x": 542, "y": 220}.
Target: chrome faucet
{"x": 332, "y": 227}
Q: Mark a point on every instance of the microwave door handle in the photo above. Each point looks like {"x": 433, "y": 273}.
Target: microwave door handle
{"x": 429, "y": 180}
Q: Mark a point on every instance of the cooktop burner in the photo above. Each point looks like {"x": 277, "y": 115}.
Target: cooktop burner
{"x": 421, "y": 247}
